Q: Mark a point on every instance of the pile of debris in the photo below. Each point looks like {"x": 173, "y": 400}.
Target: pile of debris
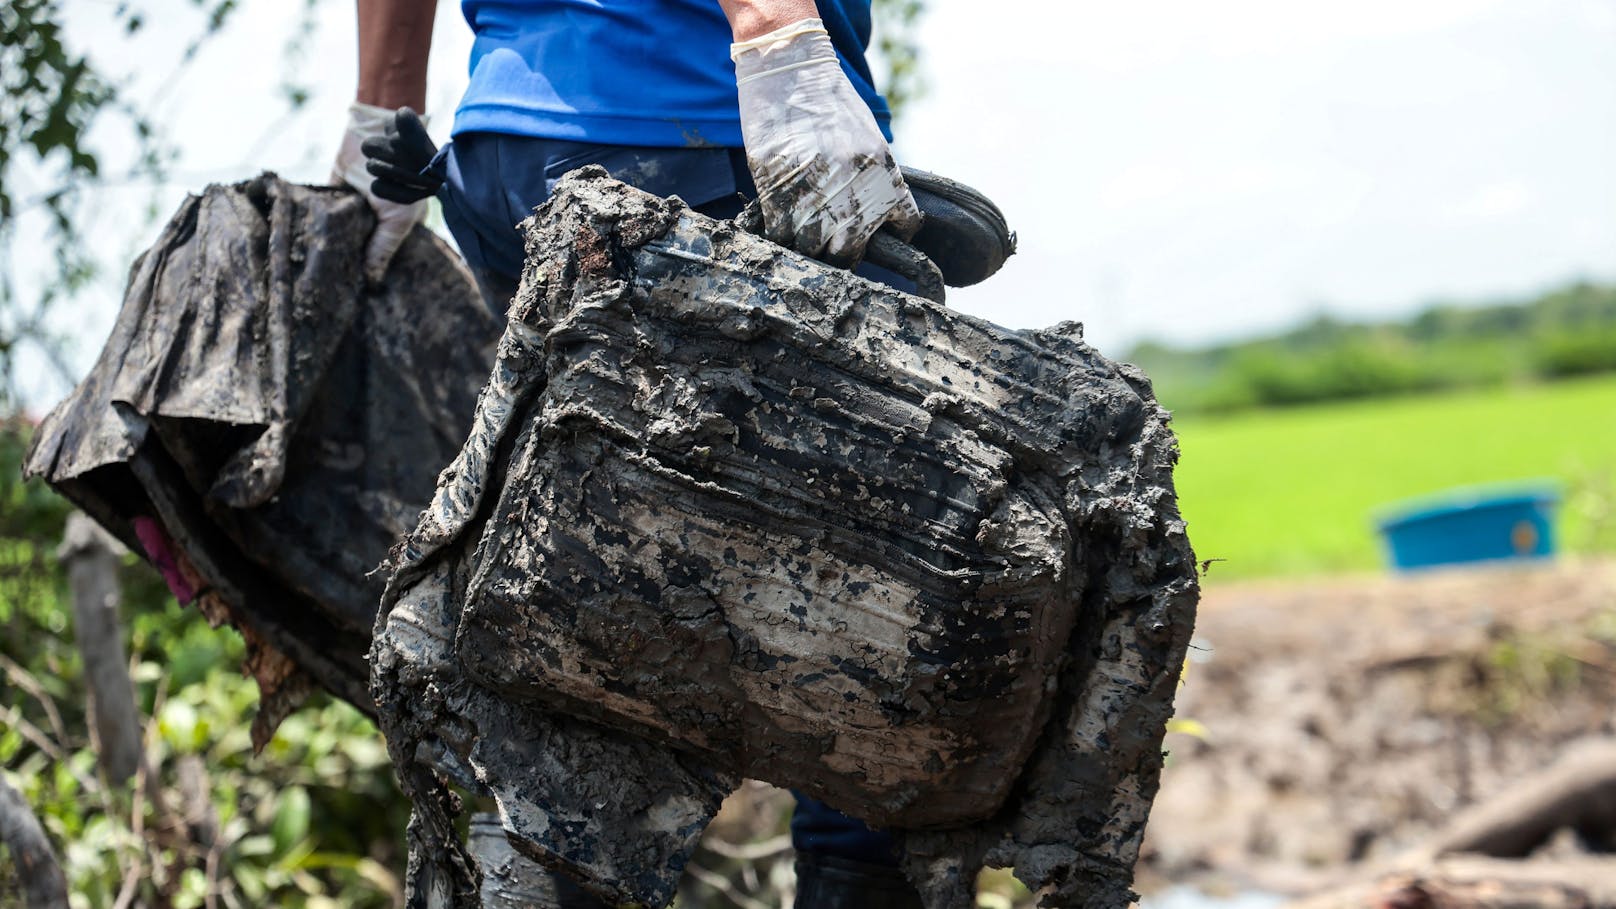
{"x": 722, "y": 511}
{"x": 263, "y": 427}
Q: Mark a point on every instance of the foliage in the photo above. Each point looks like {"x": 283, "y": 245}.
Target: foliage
{"x": 313, "y": 822}
{"x": 1296, "y": 490}
{"x": 1569, "y": 352}
{"x": 997, "y": 888}
{"x": 67, "y": 130}
{"x": 50, "y": 98}
{"x": 897, "y": 48}
{"x": 1565, "y": 333}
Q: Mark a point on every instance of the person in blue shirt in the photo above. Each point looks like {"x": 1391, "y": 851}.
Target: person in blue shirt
{"x": 715, "y": 101}
{"x": 708, "y": 99}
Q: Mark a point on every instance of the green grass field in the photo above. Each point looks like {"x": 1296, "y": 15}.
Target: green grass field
{"x": 1296, "y": 491}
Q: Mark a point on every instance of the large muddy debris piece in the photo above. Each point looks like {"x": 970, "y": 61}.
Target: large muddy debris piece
{"x": 265, "y": 427}
{"x": 728, "y": 512}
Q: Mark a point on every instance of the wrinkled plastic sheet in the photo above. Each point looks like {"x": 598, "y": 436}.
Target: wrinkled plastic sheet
{"x": 264, "y": 427}
{"x": 725, "y": 511}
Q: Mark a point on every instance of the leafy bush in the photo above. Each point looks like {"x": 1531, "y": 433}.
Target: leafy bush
{"x": 1574, "y": 353}
{"x": 1565, "y": 333}
{"x": 315, "y": 821}
{"x": 1355, "y": 369}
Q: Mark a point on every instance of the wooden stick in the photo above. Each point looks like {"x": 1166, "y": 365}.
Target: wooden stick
{"x": 90, "y": 556}
{"x": 44, "y": 886}
{"x": 1578, "y": 791}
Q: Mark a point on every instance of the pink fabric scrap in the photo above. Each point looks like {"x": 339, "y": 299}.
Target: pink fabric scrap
{"x": 160, "y": 551}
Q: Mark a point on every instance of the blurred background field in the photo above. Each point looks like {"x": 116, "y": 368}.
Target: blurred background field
{"x": 1567, "y": 332}
{"x": 1292, "y": 444}
{"x": 1295, "y": 491}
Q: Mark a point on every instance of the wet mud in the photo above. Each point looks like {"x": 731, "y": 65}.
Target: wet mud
{"x": 728, "y": 512}
{"x": 274, "y": 422}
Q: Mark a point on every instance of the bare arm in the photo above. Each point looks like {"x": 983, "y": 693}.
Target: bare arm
{"x": 395, "y": 37}
{"x": 750, "y": 18}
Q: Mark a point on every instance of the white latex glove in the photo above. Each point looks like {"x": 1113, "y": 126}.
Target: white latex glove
{"x": 393, "y": 221}
{"x": 824, "y": 173}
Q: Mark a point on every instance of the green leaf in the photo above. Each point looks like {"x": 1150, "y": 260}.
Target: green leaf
{"x": 291, "y": 824}
{"x": 193, "y": 889}
{"x": 177, "y": 726}
{"x": 10, "y": 743}
{"x": 255, "y": 846}
{"x": 1189, "y": 727}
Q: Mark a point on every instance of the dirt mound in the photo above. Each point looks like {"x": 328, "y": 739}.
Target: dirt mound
{"x": 1348, "y": 719}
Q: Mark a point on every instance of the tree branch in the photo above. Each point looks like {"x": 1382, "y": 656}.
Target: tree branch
{"x": 44, "y": 886}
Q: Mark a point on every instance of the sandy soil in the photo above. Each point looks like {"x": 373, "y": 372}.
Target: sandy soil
{"x": 1346, "y": 719}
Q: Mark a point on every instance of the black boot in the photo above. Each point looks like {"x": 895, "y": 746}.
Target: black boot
{"x": 832, "y": 882}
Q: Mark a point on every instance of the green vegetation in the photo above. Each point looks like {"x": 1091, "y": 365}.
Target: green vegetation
{"x": 1566, "y": 333}
{"x": 315, "y": 821}
{"x": 1522, "y": 673}
{"x": 1292, "y": 442}
{"x": 1294, "y": 491}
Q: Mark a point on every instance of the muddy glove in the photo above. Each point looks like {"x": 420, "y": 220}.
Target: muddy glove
{"x": 825, "y": 177}
{"x": 393, "y": 219}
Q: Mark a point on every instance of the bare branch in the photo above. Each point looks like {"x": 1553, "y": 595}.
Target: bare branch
{"x": 722, "y": 885}
{"x": 749, "y": 852}
{"x": 25, "y": 680}
{"x": 43, "y": 742}
{"x": 137, "y": 824}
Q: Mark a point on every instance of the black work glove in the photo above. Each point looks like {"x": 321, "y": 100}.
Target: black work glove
{"x": 398, "y": 160}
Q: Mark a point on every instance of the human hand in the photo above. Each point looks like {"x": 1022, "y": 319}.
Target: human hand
{"x": 825, "y": 176}
{"x": 394, "y": 217}
{"x": 399, "y": 159}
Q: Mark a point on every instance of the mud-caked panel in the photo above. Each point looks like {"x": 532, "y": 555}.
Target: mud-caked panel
{"x": 730, "y": 506}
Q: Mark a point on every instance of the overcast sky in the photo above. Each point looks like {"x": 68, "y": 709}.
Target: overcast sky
{"x": 1196, "y": 170}
{"x": 1178, "y": 169}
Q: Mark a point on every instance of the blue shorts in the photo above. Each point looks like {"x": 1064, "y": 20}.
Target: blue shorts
{"x": 493, "y": 181}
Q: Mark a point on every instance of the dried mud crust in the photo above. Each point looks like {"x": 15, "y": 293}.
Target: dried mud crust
{"x": 727, "y": 511}
{"x": 282, "y": 422}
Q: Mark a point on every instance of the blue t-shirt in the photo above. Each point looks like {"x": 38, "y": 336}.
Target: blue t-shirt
{"x": 625, "y": 72}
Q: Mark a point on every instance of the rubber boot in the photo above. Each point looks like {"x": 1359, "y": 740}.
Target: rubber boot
{"x": 832, "y": 882}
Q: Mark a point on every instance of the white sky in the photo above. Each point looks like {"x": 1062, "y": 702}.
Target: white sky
{"x": 1196, "y": 170}
{"x": 1180, "y": 169}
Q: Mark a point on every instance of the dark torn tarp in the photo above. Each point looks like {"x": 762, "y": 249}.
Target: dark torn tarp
{"x": 264, "y": 427}
{"x": 725, "y": 512}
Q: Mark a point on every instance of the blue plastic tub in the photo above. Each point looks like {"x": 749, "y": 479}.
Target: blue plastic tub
{"x": 1472, "y": 525}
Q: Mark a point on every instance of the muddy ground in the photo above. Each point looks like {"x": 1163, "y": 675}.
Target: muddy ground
{"x": 1347, "y": 719}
